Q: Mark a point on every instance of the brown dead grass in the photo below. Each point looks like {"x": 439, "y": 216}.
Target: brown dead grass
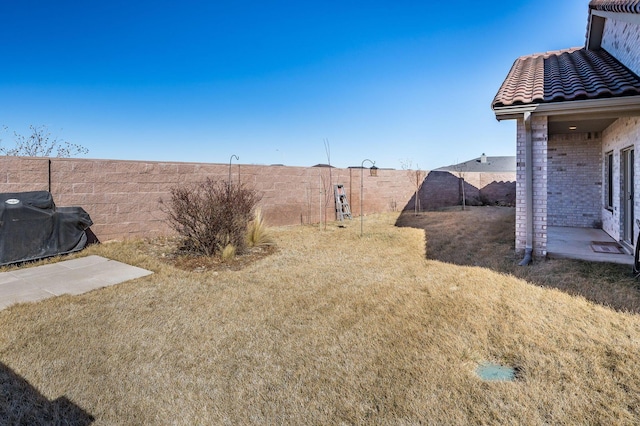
{"x": 484, "y": 236}
{"x": 330, "y": 329}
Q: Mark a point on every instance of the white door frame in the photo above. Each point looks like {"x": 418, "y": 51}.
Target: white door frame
{"x": 627, "y": 201}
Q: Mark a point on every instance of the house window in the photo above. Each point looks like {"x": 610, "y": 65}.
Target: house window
{"x": 608, "y": 176}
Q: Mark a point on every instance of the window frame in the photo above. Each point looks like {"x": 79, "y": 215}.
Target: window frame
{"x": 608, "y": 179}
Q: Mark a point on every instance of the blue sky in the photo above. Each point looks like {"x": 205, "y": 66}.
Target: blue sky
{"x": 392, "y": 81}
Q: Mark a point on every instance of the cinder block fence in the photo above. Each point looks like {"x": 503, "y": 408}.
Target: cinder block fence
{"x": 123, "y": 197}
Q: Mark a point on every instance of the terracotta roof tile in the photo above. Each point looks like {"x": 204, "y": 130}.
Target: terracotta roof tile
{"x": 524, "y": 83}
{"x": 566, "y": 75}
{"x": 622, "y": 6}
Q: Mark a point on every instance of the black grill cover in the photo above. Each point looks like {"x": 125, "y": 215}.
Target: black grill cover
{"x": 31, "y": 227}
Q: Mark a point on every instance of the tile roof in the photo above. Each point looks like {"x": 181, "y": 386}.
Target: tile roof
{"x": 566, "y": 75}
{"x": 622, "y": 6}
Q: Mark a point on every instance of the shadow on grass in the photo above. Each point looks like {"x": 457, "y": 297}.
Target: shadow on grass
{"x": 22, "y": 404}
{"x": 485, "y": 237}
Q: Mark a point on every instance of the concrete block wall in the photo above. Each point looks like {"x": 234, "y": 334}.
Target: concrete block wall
{"x": 122, "y": 197}
{"x": 438, "y": 190}
{"x": 18, "y": 174}
{"x": 494, "y": 188}
{"x": 500, "y": 192}
{"x": 443, "y": 189}
{"x": 574, "y": 166}
{"x": 624, "y": 133}
{"x": 539, "y": 140}
{"x": 622, "y": 40}
{"x": 482, "y": 179}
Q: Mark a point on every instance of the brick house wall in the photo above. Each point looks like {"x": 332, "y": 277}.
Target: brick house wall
{"x": 569, "y": 171}
{"x": 122, "y": 197}
{"x": 539, "y": 140}
{"x": 574, "y": 180}
{"x": 622, "y": 40}
{"x": 624, "y": 133}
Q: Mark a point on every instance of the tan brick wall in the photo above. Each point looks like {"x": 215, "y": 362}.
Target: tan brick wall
{"x": 122, "y": 197}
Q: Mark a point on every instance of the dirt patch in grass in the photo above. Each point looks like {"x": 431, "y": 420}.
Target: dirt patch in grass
{"x": 167, "y": 250}
{"x": 485, "y": 236}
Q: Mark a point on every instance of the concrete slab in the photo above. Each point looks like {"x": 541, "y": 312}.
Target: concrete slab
{"x": 5, "y": 279}
{"x": 575, "y": 243}
{"x": 8, "y": 291}
{"x": 83, "y": 262}
{"x": 30, "y": 295}
{"x": 74, "y": 277}
{"x": 70, "y": 282}
{"x": 38, "y": 271}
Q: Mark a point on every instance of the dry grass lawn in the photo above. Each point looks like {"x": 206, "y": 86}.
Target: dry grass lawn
{"x": 330, "y": 329}
{"x": 484, "y": 236}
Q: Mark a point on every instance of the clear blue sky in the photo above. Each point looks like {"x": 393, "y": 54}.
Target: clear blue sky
{"x": 392, "y": 81}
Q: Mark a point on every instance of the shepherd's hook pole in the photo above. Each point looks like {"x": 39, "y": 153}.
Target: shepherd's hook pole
{"x": 231, "y": 158}
{"x": 362, "y": 188}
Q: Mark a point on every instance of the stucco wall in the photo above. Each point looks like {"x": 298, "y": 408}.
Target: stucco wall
{"x": 122, "y": 197}
{"x": 574, "y": 168}
{"x": 539, "y": 147}
{"x": 622, "y": 134}
{"x": 622, "y": 40}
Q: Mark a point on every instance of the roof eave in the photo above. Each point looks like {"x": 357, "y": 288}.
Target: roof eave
{"x": 513, "y": 111}
{"x": 603, "y": 108}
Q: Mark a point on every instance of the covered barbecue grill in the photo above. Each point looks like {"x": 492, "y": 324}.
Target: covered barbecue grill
{"x": 32, "y": 227}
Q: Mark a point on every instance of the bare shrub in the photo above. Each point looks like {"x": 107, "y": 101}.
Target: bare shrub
{"x": 211, "y": 215}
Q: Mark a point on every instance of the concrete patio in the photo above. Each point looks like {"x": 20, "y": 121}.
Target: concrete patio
{"x": 576, "y": 243}
{"x": 74, "y": 276}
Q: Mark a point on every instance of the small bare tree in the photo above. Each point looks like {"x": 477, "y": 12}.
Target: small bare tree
{"x": 416, "y": 177}
{"x": 40, "y": 143}
{"x": 461, "y": 170}
{"x": 419, "y": 176}
{"x": 327, "y": 183}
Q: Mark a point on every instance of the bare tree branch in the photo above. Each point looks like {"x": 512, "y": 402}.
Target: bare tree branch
{"x": 40, "y": 143}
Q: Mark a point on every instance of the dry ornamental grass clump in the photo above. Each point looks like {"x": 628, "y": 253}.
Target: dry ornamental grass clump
{"x": 333, "y": 328}
{"x": 258, "y": 233}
